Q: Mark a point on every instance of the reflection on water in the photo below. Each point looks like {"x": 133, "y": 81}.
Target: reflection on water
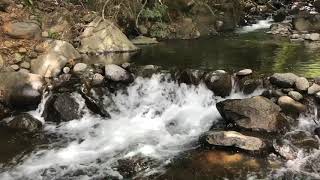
{"x": 256, "y": 50}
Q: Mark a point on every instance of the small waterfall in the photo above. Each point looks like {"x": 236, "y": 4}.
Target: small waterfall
{"x": 261, "y": 24}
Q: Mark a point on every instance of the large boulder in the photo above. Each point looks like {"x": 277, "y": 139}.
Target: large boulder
{"x": 104, "y": 36}
{"x": 220, "y": 82}
{"x": 56, "y": 55}
{"x": 233, "y": 139}
{"x": 62, "y": 107}
{"x": 20, "y": 90}
{"x": 25, "y": 122}
{"x": 257, "y": 113}
{"x": 22, "y": 30}
{"x": 284, "y": 80}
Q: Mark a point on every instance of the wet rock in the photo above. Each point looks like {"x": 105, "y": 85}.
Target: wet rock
{"x": 244, "y": 72}
{"x": 317, "y": 132}
{"x": 22, "y": 30}
{"x": 61, "y": 107}
{"x": 25, "y": 122}
{"x": 116, "y": 73}
{"x": 295, "y": 95}
{"x": 219, "y": 82}
{"x": 80, "y": 68}
{"x": 283, "y": 29}
{"x": 142, "y": 40}
{"x": 313, "y": 89}
{"x": 20, "y": 90}
{"x": 233, "y": 139}
{"x": 103, "y": 36}
{"x": 190, "y": 76}
{"x": 257, "y": 113}
{"x": 57, "y": 55}
{"x": 146, "y": 71}
{"x": 249, "y": 84}
{"x": 289, "y": 146}
{"x": 302, "y": 84}
{"x": 290, "y": 106}
{"x": 284, "y": 80}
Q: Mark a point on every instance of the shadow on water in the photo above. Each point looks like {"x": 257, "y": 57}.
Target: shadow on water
{"x": 256, "y": 50}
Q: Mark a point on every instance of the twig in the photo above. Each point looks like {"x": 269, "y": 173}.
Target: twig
{"x": 103, "y": 10}
{"x": 137, "y": 19}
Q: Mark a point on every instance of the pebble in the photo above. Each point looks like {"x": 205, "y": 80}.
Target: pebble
{"x": 97, "y": 79}
{"x": 295, "y": 95}
{"x": 15, "y": 67}
{"x": 45, "y": 34}
{"x": 25, "y": 65}
{"x": 244, "y": 72}
{"x": 313, "y": 89}
{"x": 79, "y": 67}
{"x": 66, "y": 70}
{"x": 22, "y": 50}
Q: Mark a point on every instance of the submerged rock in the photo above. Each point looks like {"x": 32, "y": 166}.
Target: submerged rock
{"x": 25, "y": 122}
{"x": 284, "y": 80}
{"x": 61, "y": 107}
{"x": 21, "y": 90}
{"x": 104, "y": 36}
{"x": 219, "y": 82}
{"x": 142, "y": 40}
{"x": 116, "y": 73}
{"x": 57, "y": 55}
{"x": 257, "y": 113}
{"x": 23, "y": 30}
{"x": 289, "y": 145}
{"x": 190, "y": 76}
{"x": 233, "y": 139}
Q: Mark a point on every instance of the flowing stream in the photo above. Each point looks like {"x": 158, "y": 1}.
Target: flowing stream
{"x": 153, "y": 122}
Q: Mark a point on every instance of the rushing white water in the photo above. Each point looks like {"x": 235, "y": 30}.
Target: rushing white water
{"x": 262, "y": 24}
{"x": 155, "y": 118}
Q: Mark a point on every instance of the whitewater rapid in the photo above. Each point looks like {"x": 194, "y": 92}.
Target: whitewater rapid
{"x": 261, "y": 24}
{"x": 154, "y": 118}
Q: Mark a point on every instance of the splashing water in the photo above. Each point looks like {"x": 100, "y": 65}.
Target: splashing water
{"x": 155, "y": 118}
{"x": 262, "y": 24}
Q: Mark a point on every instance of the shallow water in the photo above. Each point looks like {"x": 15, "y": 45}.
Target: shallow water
{"x": 256, "y": 50}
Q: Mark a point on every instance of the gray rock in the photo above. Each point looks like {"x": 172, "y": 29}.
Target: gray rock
{"x": 289, "y": 105}
{"x": 219, "y": 82}
{"x": 249, "y": 84}
{"x": 117, "y": 74}
{"x": 25, "y": 65}
{"x": 302, "y": 84}
{"x": 23, "y": 30}
{"x": 142, "y": 40}
{"x": 25, "y": 122}
{"x": 1, "y": 62}
{"x": 244, "y": 72}
{"x": 15, "y": 67}
{"x": 295, "y": 95}
{"x": 314, "y": 36}
{"x": 17, "y": 57}
{"x": 22, "y": 50}
{"x": 313, "y": 89}
{"x": 61, "y": 107}
{"x": 21, "y": 89}
{"x": 257, "y": 113}
{"x": 103, "y": 36}
{"x": 97, "y": 79}
{"x": 80, "y": 67}
{"x": 284, "y": 80}
{"x": 66, "y": 70}
{"x": 57, "y": 55}
{"x": 233, "y": 139}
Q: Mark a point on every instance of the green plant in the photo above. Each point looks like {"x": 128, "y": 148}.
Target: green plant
{"x": 160, "y": 30}
{"x": 53, "y": 35}
{"x": 156, "y": 13}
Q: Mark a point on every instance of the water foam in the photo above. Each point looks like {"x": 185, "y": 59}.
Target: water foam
{"x": 262, "y": 24}
{"x": 155, "y": 118}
